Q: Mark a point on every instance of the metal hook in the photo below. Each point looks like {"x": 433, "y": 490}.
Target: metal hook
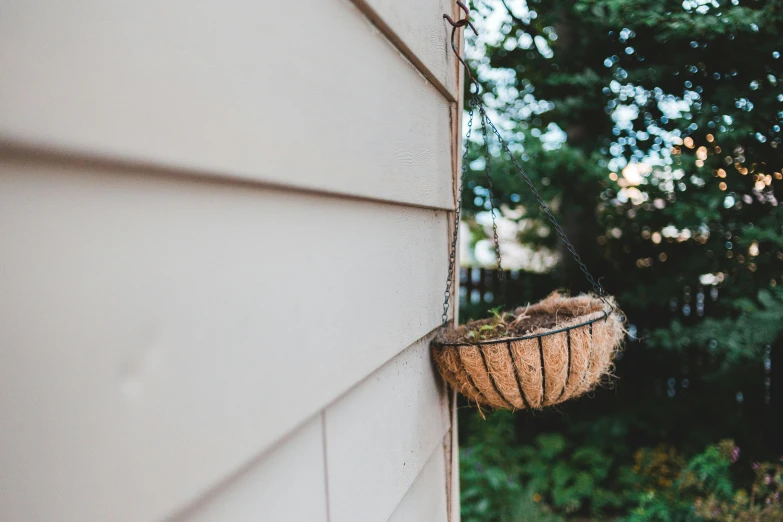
{"x": 462, "y": 22}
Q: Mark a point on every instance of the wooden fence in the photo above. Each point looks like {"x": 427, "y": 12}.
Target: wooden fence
{"x": 482, "y": 285}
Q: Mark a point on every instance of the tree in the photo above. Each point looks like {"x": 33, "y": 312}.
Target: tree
{"x": 653, "y": 129}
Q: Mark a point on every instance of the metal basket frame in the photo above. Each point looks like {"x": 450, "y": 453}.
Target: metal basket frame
{"x": 507, "y": 341}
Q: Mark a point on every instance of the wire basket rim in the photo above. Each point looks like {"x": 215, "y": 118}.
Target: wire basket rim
{"x": 604, "y": 315}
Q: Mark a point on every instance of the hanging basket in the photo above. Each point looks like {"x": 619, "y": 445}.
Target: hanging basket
{"x": 537, "y": 356}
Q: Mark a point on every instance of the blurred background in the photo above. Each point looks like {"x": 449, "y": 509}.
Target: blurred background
{"x": 653, "y": 128}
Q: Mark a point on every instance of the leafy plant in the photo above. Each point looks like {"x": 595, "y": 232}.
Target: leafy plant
{"x": 705, "y": 490}
{"x": 653, "y": 131}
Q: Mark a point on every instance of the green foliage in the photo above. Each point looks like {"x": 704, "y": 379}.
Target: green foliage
{"x": 490, "y": 473}
{"x": 552, "y": 477}
{"x": 705, "y": 490}
{"x": 689, "y": 239}
{"x": 557, "y": 478}
{"x": 738, "y": 337}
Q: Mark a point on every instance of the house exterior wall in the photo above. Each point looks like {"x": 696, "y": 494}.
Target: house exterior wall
{"x": 224, "y": 231}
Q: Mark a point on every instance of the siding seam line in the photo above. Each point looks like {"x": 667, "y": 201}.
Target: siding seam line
{"x": 438, "y": 447}
{"x": 326, "y": 465}
{"x": 372, "y": 372}
{"x": 377, "y": 21}
{"x": 449, "y": 450}
{"x": 48, "y": 155}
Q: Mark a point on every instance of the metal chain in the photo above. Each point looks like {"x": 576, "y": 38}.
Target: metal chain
{"x": 590, "y": 279}
{"x": 458, "y": 211}
{"x": 491, "y": 189}
{"x": 475, "y": 101}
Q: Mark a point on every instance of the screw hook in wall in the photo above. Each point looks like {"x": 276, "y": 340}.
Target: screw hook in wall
{"x": 462, "y": 22}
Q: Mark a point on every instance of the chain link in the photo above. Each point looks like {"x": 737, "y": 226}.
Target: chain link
{"x": 474, "y": 102}
{"x": 590, "y": 279}
{"x": 491, "y": 189}
{"x": 457, "y": 212}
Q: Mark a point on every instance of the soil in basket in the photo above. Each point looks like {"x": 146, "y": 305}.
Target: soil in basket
{"x": 507, "y": 326}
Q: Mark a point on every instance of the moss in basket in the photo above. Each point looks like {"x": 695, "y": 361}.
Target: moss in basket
{"x": 525, "y": 319}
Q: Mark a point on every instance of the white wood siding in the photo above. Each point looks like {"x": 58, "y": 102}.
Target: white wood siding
{"x": 223, "y": 243}
{"x": 425, "y": 500}
{"x": 287, "y": 485}
{"x": 305, "y": 93}
{"x": 380, "y": 435}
